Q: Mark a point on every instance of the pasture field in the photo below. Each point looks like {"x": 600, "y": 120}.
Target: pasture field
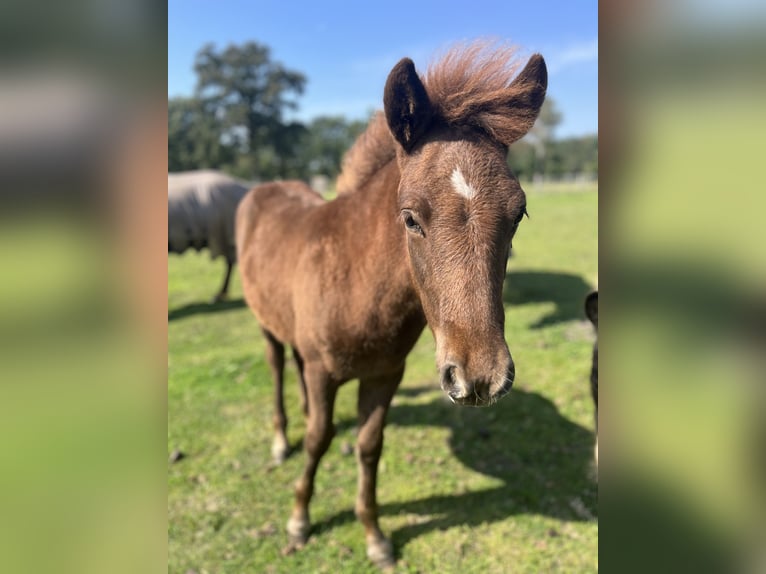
{"x": 510, "y": 488}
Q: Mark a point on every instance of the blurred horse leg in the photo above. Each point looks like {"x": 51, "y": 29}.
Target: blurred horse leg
{"x": 275, "y": 356}
{"x": 224, "y": 292}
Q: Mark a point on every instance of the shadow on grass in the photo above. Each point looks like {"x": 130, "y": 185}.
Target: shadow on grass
{"x": 543, "y": 460}
{"x": 346, "y": 423}
{"x": 415, "y": 391}
{"x": 566, "y": 290}
{"x": 197, "y": 308}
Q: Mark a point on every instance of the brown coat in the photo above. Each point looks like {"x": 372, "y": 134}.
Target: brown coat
{"x": 420, "y": 233}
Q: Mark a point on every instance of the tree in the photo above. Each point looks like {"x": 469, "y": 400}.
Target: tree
{"x": 327, "y": 138}
{"x": 194, "y": 137}
{"x": 287, "y": 141}
{"x": 541, "y": 134}
{"x": 575, "y": 155}
{"x": 521, "y": 160}
{"x": 248, "y": 92}
{"x": 540, "y": 154}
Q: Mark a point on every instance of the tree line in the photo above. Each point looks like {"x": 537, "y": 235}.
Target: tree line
{"x": 235, "y": 122}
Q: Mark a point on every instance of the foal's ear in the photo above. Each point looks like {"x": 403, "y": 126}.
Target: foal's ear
{"x": 591, "y": 308}
{"x": 526, "y": 97}
{"x": 405, "y": 100}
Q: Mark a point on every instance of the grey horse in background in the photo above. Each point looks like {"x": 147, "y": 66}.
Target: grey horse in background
{"x": 201, "y": 208}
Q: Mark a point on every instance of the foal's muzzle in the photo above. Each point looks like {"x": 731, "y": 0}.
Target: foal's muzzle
{"x": 475, "y": 393}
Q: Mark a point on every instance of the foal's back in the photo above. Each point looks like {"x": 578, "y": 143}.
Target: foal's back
{"x": 271, "y": 232}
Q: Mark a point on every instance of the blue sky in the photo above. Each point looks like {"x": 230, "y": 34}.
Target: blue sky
{"x": 346, "y": 49}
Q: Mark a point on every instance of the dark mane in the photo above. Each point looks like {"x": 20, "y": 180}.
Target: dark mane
{"x": 469, "y": 86}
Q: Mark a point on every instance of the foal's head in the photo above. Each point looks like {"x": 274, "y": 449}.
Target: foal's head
{"x": 460, "y": 205}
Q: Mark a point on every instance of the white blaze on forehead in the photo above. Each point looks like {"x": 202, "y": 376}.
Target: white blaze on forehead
{"x": 461, "y": 185}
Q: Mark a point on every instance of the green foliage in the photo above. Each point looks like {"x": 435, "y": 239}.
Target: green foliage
{"x": 573, "y": 155}
{"x": 244, "y": 87}
{"x": 540, "y": 154}
{"x": 248, "y": 93}
{"x": 194, "y": 137}
{"x": 326, "y": 140}
{"x": 550, "y": 117}
{"x": 521, "y": 160}
{"x": 503, "y": 489}
{"x": 235, "y": 122}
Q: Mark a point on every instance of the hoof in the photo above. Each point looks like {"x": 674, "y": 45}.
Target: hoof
{"x": 297, "y": 532}
{"x": 279, "y": 450}
{"x": 381, "y": 553}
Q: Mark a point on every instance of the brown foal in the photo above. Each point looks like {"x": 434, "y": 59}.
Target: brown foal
{"x": 419, "y": 234}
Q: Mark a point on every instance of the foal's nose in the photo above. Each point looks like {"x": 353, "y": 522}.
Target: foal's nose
{"x": 464, "y": 391}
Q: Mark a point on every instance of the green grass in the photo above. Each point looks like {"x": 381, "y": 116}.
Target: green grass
{"x": 509, "y": 488}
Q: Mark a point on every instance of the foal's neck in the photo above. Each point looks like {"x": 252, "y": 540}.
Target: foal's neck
{"x": 379, "y": 235}
{"x": 380, "y": 316}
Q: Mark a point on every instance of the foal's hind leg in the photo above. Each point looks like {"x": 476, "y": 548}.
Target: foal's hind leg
{"x": 321, "y": 397}
{"x": 375, "y": 396}
{"x": 275, "y": 355}
{"x": 301, "y": 381}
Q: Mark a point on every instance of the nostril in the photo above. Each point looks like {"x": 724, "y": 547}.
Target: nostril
{"x": 510, "y": 374}
{"x": 505, "y": 387}
{"x": 448, "y": 377}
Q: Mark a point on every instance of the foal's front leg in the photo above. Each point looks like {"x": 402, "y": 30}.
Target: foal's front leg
{"x": 375, "y": 396}
{"x": 321, "y": 390}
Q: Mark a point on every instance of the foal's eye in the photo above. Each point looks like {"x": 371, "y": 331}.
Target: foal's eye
{"x": 411, "y": 224}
